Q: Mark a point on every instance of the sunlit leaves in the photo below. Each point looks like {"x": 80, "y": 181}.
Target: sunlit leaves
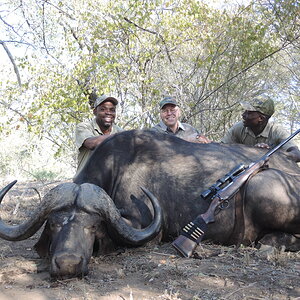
{"x": 142, "y": 50}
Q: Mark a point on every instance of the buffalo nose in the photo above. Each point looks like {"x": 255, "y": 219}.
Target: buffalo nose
{"x": 67, "y": 259}
{"x": 69, "y": 264}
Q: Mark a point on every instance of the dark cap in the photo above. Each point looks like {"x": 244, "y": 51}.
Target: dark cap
{"x": 167, "y": 100}
{"x": 104, "y": 98}
{"x": 262, "y": 104}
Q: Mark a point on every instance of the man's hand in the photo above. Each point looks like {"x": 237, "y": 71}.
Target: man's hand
{"x": 262, "y": 145}
{"x": 202, "y": 139}
{"x": 197, "y": 138}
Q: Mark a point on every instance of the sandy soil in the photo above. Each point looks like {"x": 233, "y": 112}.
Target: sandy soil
{"x": 149, "y": 272}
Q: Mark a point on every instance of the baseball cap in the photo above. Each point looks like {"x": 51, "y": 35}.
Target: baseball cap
{"x": 104, "y": 98}
{"x": 167, "y": 100}
{"x": 262, "y": 104}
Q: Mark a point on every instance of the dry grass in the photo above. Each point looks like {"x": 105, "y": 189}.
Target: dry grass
{"x": 147, "y": 273}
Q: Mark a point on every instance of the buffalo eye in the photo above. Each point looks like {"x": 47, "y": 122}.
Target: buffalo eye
{"x": 55, "y": 226}
{"x": 91, "y": 229}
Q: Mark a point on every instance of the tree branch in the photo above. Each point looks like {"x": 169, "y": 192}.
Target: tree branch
{"x": 17, "y": 112}
{"x": 13, "y": 62}
{"x": 152, "y": 32}
{"x": 241, "y": 72}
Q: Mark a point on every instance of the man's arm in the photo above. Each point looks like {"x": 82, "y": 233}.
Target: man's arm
{"x": 193, "y": 135}
{"x": 86, "y": 137}
{"x": 233, "y": 134}
{"x": 92, "y": 142}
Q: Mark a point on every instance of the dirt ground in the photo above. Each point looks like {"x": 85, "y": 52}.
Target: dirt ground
{"x": 145, "y": 273}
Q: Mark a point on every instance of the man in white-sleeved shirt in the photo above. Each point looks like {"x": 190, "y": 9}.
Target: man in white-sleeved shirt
{"x": 170, "y": 124}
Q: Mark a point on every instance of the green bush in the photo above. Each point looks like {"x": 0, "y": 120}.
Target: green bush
{"x": 44, "y": 175}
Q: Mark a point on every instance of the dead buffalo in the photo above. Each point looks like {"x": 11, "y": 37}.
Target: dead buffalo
{"x": 77, "y": 217}
{"x": 82, "y": 217}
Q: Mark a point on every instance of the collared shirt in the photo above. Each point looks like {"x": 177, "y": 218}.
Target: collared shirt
{"x": 86, "y": 130}
{"x": 184, "y": 130}
{"x": 272, "y": 135}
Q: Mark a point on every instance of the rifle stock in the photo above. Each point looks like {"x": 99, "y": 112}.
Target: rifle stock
{"x": 192, "y": 234}
{"x": 184, "y": 246}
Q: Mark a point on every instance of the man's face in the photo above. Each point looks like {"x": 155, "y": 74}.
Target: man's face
{"x": 105, "y": 114}
{"x": 170, "y": 114}
{"x": 251, "y": 118}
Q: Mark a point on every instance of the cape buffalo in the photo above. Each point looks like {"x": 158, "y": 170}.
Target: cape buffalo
{"x": 104, "y": 207}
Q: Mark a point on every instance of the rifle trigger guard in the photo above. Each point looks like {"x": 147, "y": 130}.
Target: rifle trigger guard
{"x": 224, "y": 204}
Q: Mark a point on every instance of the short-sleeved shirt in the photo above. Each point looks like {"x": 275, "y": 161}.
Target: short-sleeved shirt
{"x": 184, "y": 130}
{"x": 86, "y": 130}
{"x": 272, "y": 135}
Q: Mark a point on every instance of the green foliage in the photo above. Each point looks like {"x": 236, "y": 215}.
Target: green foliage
{"x": 44, "y": 175}
{"x": 141, "y": 50}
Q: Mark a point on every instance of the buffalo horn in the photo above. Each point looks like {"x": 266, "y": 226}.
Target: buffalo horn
{"x": 61, "y": 196}
{"x": 6, "y": 189}
{"x": 95, "y": 199}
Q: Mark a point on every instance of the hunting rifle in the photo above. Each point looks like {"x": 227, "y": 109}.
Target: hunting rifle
{"x": 220, "y": 193}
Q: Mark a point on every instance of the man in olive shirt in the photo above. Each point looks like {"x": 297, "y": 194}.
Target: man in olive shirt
{"x": 170, "y": 124}
{"x": 257, "y": 130}
{"x": 91, "y": 133}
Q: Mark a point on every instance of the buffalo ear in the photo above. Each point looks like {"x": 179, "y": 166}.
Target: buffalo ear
{"x": 103, "y": 243}
{"x": 103, "y": 246}
{"x": 43, "y": 244}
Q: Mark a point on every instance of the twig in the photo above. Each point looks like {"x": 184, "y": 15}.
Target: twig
{"x": 242, "y": 288}
{"x": 166, "y": 254}
{"x": 35, "y": 189}
{"x": 16, "y": 208}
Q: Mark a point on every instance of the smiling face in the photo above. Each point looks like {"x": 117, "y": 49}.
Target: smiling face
{"x": 170, "y": 114}
{"x": 105, "y": 115}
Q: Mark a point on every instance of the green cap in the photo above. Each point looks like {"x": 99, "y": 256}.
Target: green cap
{"x": 167, "y": 100}
{"x": 105, "y": 98}
{"x": 262, "y": 104}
